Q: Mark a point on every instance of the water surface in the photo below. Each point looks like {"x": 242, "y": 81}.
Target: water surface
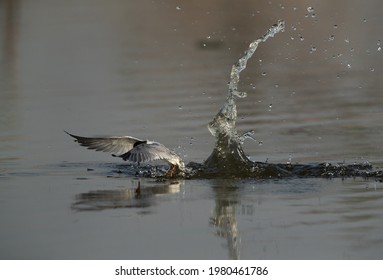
{"x": 93, "y": 68}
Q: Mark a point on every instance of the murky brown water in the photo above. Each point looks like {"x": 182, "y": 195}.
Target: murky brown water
{"x": 153, "y": 71}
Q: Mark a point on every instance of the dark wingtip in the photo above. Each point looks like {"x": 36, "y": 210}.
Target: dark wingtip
{"x": 74, "y": 136}
{"x": 69, "y": 133}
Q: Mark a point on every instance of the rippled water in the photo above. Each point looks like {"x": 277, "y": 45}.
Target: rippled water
{"x": 95, "y": 68}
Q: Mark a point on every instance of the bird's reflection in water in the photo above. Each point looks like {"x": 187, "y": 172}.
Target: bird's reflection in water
{"x": 145, "y": 193}
{"x": 224, "y": 217}
{"x": 141, "y": 196}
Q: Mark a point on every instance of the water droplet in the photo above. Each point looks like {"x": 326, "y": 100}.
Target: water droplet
{"x": 260, "y": 143}
{"x": 313, "y": 49}
{"x": 335, "y": 26}
{"x": 310, "y": 9}
{"x": 364, "y": 20}
{"x": 372, "y": 69}
{"x": 289, "y": 160}
{"x": 180, "y": 107}
{"x": 347, "y": 40}
{"x": 379, "y": 49}
{"x": 264, "y": 73}
{"x": 178, "y": 8}
{"x": 301, "y": 37}
{"x": 331, "y": 38}
{"x": 348, "y": 66}
{"x": 276, "y": 86}
{"x": 270, "y": 107}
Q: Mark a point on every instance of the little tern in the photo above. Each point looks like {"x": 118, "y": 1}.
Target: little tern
{"x": 133, "y": 149}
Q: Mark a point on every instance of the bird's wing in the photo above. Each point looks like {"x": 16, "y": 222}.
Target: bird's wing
{"x": 145, "y": 152}
{"x": 113, "y": 144}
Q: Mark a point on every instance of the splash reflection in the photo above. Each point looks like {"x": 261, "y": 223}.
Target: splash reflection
{"x": 224, "y": 218}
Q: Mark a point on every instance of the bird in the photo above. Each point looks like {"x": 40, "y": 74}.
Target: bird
{"x": 134, "y": 150}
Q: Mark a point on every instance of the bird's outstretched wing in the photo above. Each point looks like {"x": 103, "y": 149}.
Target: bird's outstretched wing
{"x": 113, "y": 144}
{"x": 148, "y": 151}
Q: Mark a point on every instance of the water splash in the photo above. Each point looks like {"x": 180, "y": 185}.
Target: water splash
{"x": 224, "y": 121}
{"x": 228, "y": 158}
